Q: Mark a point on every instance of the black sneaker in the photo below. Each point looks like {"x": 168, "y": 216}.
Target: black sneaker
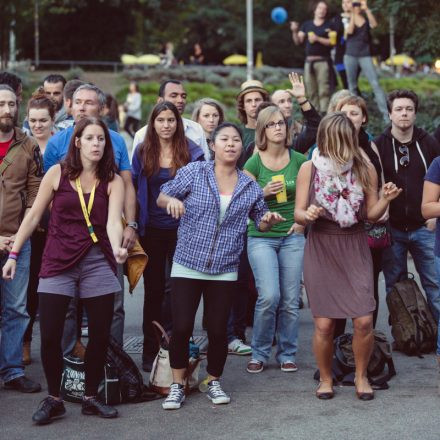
{"x": 93, "y": 407}
{"x": 22, "y": 384}
{"x": 48, "y": 410}
{"x": 175, "y": 398}
{"x": 216, "y": 394}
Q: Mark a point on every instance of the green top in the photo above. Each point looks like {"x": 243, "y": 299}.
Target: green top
{"x": 264, "y": 175}
{"x": 248, "y": 135}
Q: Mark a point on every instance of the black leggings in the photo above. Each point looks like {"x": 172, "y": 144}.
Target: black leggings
{"x": 185, "y": 299}
{"x": 53, "y": 308}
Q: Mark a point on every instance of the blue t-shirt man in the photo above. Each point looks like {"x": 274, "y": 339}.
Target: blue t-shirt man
{"x": 433, "y": 175}
{"x": 58, "y": 145}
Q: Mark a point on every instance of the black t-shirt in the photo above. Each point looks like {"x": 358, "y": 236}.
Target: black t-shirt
{"x": 317, "y": 49}
{"x": 358, "y": 43}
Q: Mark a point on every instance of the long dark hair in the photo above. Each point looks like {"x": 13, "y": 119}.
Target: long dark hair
{"x": 72, "y": 165}
{"x": 149, "y": 150}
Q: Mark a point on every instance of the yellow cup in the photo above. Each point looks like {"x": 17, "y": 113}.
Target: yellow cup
{"x": 309, "y": 34}
{"x": 333, "y": 35}
{"x": 282, "y": 195}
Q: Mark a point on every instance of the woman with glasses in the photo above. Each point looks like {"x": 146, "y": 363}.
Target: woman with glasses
{"x": 276, "y": 256}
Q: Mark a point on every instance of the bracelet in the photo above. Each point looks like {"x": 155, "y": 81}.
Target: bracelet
{"x": 13, "y": 256}
{"x": 14, "y": 253}
{"x": 302, "y": 103}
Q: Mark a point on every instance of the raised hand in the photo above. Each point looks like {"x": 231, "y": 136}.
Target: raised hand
{"x": 175, "y": 208}
{"x": 298, "y": 89}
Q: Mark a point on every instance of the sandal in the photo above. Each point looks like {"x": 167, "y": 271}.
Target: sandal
{"x": 254, "y": 366}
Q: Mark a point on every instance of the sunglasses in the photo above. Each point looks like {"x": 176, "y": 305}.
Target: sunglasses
{"x": 404, "y": 160}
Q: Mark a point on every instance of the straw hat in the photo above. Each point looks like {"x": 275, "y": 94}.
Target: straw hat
{"x": 252, "y": 85}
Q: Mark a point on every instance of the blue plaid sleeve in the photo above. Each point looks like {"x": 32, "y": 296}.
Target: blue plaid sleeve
{"x": 180, "y": 186}
{"x": 259, "y": 208}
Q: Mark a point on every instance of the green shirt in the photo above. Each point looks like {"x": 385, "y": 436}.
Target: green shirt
{"x": 264, "y": 175}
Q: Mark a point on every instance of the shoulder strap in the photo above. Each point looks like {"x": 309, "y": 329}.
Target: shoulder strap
{"x": 9, "y": 158}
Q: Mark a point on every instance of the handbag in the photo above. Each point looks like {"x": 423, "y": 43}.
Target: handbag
{"x": 161, "y": 376}
{"x": 378, "y": 235}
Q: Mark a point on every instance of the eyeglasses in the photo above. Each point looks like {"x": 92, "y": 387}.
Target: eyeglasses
{"x": 404, "y": 160}
{"x": 274, "y": 124}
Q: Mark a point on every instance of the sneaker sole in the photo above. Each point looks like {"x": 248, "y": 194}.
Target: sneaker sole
{"x": 50, "y": 420}
{"x": 220, "y": 401}
{"x": 237, "y": 353}
{"x": 93, "y": 413}
{"x": 173, "y": 405}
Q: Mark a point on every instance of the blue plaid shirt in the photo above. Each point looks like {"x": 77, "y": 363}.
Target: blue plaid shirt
{"x": 203, "y": 243}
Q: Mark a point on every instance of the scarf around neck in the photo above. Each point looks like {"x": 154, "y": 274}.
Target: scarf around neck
{"x": 337, "y": 190}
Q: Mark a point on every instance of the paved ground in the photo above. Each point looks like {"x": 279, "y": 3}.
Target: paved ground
{"x": 270, "y": 405}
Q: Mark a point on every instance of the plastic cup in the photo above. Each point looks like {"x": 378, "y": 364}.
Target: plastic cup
{"x": 282, "y": 195}
{"x": 333, "y": 37}
{"x": 309, "y": 35}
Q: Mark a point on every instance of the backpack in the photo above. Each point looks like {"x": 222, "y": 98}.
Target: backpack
{"x": 412, "y": 325}
{"x": 131, "y": 382}
{"x": 343, "y": 366}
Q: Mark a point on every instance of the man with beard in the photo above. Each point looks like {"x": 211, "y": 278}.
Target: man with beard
{"x": 406, "y": 152}
{"x": 14, "y": 82}
{"x": 20, "y": 175}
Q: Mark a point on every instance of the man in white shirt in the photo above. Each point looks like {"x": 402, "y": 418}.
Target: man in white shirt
{"x": 172, "y": 90}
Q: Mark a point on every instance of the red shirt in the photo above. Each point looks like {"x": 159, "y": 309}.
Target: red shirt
{"x": 4, "y": 147}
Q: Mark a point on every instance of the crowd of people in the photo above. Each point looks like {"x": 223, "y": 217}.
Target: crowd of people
{"x": 215, "y": 205}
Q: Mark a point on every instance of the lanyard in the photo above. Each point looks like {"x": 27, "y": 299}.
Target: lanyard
{"x": 86, "y": 211}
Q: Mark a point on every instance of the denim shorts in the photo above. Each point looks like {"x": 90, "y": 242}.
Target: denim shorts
{"x": 91, "y": 277}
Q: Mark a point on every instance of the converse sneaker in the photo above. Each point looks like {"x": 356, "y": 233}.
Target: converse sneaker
{"x": 175, "y": 398}
{"x": 216, "y": 394}
{"x": 237, "y": 346}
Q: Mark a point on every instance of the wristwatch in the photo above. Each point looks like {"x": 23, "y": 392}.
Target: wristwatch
{"x": 133, "y": 225}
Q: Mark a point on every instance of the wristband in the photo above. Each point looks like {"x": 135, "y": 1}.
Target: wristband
{"x": 13, "y": 256}
{"x": 302, "y": 103}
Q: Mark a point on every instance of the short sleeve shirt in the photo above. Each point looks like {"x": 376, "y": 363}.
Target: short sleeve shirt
{"x": 433, "y": 175}
{"x": 317, "y": 49}
{"x": 264, "y": 175}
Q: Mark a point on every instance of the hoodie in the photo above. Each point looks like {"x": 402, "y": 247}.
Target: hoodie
{"x": 405, "y": 210}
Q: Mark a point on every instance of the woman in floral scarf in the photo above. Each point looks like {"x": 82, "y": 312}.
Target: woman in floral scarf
{"x": 336, "y": 192}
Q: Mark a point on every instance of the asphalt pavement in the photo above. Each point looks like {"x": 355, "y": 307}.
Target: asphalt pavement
{"x": 269, "y": 405}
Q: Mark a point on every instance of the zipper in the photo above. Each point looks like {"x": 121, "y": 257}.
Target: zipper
{"x": 211, "y": 252}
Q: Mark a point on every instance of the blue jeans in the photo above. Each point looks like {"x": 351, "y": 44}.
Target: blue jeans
{"x": 277, "y": 264}
{"x": 437, "y": 266}
{"x": 352, "y": 65}
{"x": 420, "y": 243}
{"x": 15, "y": 318}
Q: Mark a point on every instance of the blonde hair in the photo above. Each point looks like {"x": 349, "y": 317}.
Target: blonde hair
{"x": 264, "y": 117}
{"x": 338, "y": 140}
{"x": 336, "y": 98}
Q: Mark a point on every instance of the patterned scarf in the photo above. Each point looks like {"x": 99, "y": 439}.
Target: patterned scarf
{"x": 337, "y": 190}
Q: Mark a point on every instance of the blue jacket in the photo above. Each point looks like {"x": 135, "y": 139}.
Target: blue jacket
{"x": 140, "y": 182}
{"x": 203, "y": 243}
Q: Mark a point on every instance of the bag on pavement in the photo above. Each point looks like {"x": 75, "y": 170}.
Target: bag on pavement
{"x": 73, "y": 380}
{"x": 161, "y": 376}
{"x": 413, "y": 328}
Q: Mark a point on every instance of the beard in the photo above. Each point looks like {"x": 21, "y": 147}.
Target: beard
{"x": 7, "y": 123}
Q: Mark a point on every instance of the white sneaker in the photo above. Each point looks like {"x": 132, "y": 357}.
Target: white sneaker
{"x": 237, "y": 346}
{"x": 175, "y": 398}
{"x": 216, "y": 394}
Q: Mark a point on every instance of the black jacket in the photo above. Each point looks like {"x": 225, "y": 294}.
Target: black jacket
{"x": 405, "y": 210}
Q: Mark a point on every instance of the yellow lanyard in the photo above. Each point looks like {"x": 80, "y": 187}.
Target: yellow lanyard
{"x": 86, "y": 211}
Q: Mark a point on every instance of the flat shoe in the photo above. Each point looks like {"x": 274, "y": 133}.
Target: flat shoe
{"x": 326, "y": 395}
{"x": 365, "y": 396}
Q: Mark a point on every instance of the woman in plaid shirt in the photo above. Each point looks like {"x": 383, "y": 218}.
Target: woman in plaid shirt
{"x": 214, "y": 201}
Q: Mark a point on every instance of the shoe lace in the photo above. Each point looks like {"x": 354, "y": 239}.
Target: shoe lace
{"x": 175, "y": 392}
{"x": 47, "y": 404}
{"x": 216, "y": 390}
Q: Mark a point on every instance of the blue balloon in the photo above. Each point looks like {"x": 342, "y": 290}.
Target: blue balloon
{"x": 279, "y": 15}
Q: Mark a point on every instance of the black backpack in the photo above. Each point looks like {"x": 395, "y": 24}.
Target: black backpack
{"x": 131, "y": 382}
{"x": 412, "y": 325}
{"x": 343, "y": 366}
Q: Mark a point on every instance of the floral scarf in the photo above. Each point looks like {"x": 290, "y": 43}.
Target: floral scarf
{"x": 337, "y": 190}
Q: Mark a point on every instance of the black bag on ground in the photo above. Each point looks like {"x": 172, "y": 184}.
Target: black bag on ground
{"x": 131, "y": 382}
{"x": 412, "y": 325}
{"x": 343, "y": 366}
{"x": 73, "y": 380}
